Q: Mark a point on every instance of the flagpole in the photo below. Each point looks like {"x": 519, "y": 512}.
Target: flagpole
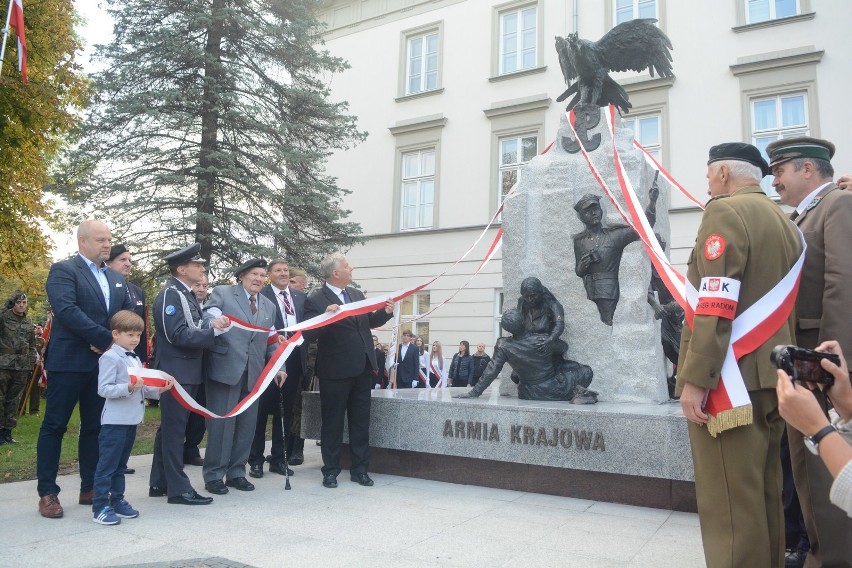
{"x": 5, "y": 35}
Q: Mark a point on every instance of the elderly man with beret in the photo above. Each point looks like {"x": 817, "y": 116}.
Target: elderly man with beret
{"x": 744, "y": 247}
{"x": 803, "y": 175}
{"x": 234, "y": 365}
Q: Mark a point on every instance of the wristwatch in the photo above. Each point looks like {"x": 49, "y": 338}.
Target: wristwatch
{"x": 812, "y": 442}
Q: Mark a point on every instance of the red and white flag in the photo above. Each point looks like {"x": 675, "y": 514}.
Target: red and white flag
{"x": 16, "y": 20}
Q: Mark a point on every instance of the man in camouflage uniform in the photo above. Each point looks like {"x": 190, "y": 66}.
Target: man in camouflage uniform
{"x": 17, "y": 358}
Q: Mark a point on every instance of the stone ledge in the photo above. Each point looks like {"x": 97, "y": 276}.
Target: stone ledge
{"x": 627, "y": 439}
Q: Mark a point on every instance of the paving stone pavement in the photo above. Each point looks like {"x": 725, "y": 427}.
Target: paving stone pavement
{"x": 400, "y": 522}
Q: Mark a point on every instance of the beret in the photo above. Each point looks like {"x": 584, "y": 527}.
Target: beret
{"x": 117, "y": 250}
{"x": 741, "y": 152}
{"x": 248, "y": 265}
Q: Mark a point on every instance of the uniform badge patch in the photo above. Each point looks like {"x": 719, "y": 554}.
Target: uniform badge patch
{"x": 714, "y": 246}
{"x": 170, "y": 310}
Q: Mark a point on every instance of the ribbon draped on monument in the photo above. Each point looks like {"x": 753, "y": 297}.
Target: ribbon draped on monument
{"x": 728, "y": 405}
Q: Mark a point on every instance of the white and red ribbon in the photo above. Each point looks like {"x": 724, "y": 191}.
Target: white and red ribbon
{"x": 155, "y": 378}
{"x": 750, "y": 329}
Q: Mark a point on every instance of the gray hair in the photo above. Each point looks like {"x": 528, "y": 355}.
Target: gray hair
{"x": 330, "y": 263}
{"x": 823, "y": 167}
{"x": 740, "y": 170}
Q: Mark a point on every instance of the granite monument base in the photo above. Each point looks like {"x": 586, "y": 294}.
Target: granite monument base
{"x": 628, "y": 453}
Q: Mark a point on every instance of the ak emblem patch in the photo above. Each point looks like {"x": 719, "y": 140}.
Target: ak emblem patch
{"x": 714, "y": 246}
{"x": 170, "y": 310}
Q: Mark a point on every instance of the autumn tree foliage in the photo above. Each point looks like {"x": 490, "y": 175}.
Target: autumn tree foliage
{"x": 35, "y": 119}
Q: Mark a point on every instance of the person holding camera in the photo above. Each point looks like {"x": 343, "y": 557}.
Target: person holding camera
{"x": 830, "y": 441}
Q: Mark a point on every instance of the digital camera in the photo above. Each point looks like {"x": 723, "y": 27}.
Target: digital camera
{"x": 803, "y": 364}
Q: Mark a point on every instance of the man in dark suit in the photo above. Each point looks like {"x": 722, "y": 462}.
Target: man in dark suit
{"x": 120, "y": 260}
{"x": 84, "y": 294}
{"x": 347, "y": 370}
{"x": 803, "y": 179}
{"x": 180, "y": 345}
{"x": 408, "y": 363}
{"x": 233, "y": 366}
{"x": 289, "y": 310}
{"x": 381, "y": 360}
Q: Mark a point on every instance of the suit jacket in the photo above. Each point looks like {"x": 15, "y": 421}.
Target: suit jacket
{"x": 80, "y": 314}
{"x": 408, "y": 366}
{"x": 137, "y": 297}
{"x": 345, "y": 347}
{"x": 761, "y": 245}
{"x": 238, "y": 350}
{"x": 122, "y": 405}
{"x": 825, "y": 293}
{"x": 179, "y": 346}
{"x": 298, "y": 298}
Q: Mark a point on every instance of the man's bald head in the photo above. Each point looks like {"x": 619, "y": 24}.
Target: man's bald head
{"x": 94, "y": 240}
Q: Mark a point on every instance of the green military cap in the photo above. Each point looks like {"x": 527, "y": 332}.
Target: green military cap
{"x": 787, "y": 149}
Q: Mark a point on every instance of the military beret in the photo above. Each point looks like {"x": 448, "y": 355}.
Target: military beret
{"x": 248, "y": 265}
{"x": 185, "y": 255}
{"x": 117, "y": 250}
{"x": 787, "y": 149}
{"x": 738, "y": 151}
{"x": 586, "y": 201}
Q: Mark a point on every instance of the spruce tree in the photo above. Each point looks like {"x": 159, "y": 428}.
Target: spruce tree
{"x": 212, "y": 123}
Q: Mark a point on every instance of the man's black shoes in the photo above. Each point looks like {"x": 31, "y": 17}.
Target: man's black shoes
{"x": 256, "y": 470}
{"x": 329, "y": 481}
{"x": 280, "y": 468}
{"x": 216, "y": 487}
{"x": 191, "y": 497}
{"x": 240, "y": 484}
{"x": 362, "y": 479}
{"x": 155, "y": 491}
{"x": 298, "y": 458}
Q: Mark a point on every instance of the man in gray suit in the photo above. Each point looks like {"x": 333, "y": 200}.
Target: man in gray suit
{"x": 234, "y": 365}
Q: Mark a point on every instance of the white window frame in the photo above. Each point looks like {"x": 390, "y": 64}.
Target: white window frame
{"x": 772, "y": 12}
{"x": 635, "y": 7}
{"x": 780, "y": 131}
{"x": 654, "y": 149}
{"x": 420, "y": 178}
{"x": 416, "y": 327}
{"x": 518, "y": 164}
{"x": 519, "y": 31}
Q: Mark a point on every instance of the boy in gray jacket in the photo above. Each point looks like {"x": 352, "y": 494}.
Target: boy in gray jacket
{"x": 123, "y": 411}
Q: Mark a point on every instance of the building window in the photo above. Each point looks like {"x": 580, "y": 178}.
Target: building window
{"x": 418, "y": 189}
{"x": 412, "y": 307}
{"x": 765, "y": 10}
{"x": 422, "y": 63}
{"x": 781, "y": 116}
{"x": 626, "y": 10}
{"x": 648, "y": 132}
{"x": 518, "y": 40}
{"x": 514, "y": 153}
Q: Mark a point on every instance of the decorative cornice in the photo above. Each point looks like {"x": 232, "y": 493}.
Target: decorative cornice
{"x": 646, "y": 83}
{"x": 420, "y": 123}
{"x": 806, "y": 55}
{"x": 419, "y": 95}
{"x": 515, "y": 106}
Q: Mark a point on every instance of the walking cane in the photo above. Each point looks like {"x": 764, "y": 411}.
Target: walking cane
{"x": 285, "y": 432}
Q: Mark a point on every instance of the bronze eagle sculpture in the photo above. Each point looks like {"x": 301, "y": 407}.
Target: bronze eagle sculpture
{"x": 635, "y": 45}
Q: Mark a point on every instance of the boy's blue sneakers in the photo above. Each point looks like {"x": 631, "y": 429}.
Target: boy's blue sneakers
{"x": 124, "y": 510}
{"x": 107, "y": 516}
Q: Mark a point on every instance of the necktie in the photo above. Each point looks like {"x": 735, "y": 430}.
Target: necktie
{"x": 794, "y": 215}
{"x": 288, "y": 307}
{"x": 130, "y": 353}
{"x": 253, "y": 305}
{"x": 346, "y": 298}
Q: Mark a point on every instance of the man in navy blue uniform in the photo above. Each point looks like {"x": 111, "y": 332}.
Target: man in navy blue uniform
{"x": 180, "y": 344}
{"x": 84, "y": 294}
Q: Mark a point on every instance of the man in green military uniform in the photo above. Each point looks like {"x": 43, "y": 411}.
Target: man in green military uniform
{"x": 17, "y": 357}
{"x": 745, "y": 246}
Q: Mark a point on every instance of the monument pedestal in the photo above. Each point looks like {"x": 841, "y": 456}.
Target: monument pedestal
{"x": 618, "y": 452}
